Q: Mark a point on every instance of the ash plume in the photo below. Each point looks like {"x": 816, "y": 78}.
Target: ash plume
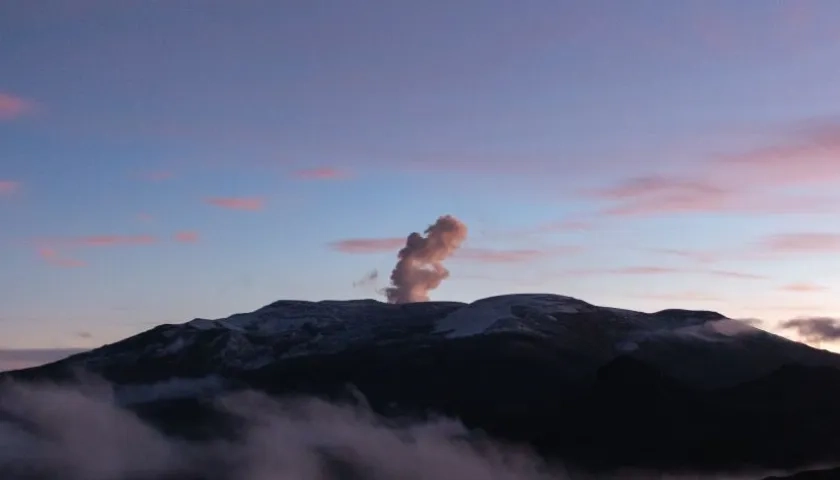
{"x": 420, "y": 267}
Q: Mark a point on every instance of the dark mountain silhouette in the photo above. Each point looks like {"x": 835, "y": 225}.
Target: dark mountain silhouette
{"x": 594, "y": 386}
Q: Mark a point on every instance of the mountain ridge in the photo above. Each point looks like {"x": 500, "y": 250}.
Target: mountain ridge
{"x": 594, "y": 385}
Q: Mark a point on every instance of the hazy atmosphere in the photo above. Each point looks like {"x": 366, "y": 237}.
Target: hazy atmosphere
{"x": 166, "y": 160}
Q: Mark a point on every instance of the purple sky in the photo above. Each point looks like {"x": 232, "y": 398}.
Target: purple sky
{"x": 162, "y": 160}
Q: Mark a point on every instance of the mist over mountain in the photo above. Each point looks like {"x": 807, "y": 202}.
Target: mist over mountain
{"x": 516, "y": 386}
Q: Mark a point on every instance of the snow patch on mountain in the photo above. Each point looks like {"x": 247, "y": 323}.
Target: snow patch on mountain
{"x": 495, "y": 314}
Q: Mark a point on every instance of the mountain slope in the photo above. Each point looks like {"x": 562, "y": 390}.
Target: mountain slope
{"x": 595, "y": 385}
{"x": 702, "y": 348}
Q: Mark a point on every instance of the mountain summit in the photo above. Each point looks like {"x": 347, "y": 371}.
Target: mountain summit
{"x": 593, "y": 385}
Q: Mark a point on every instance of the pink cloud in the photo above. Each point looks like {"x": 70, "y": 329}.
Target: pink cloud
{"x": 490, "y": 255}
{"x": 645, "y": 270}
{"x": 812, "y": 156}
{"x": 112, "y": 240}
{"x": 321, "y": 173}
{"x": 803, "y": 287}
{"x": 51, "y": 250}
{"x": 657, "y": 184}
{"x": 237, "y": 203}
{"x": 657, "y": 194}
{"x": 369, "y": 245}
{"x": 51, "y": 256}
{"x": 12, "y": 107}
{"x": 733, "y": 274}
{"x": 186, "y": 237}
{"x": 802, "y": 243}
{"x": 656, "y": 270}
{"x": 145, "y": 217}
{"x": 682, "y": 297}
{"x": 9, "y": 187}
{"x": 696, "y": 256}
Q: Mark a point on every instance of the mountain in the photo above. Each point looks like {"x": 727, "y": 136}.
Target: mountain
{"x": 596, "y": 386}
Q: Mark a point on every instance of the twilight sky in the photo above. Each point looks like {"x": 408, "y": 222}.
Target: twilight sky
{"x": 162, "y": 160}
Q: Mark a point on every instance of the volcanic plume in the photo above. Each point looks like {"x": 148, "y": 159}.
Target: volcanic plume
{"x": 420, "y": 267}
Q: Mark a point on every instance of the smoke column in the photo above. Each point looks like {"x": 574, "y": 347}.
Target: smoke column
{"x": 420, "y": 267}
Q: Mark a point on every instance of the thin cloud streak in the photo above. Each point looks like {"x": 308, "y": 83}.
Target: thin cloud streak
{"x": 237, "y": 203}
{"x": 54, "y": 258}
{"x": 681, "y": 297}
{"x": 9, "y": 187}
{"x": 186, "y": 237}
{"x": 491, "y": 255}
{"x": 752, "y": 182}
{"x": 810, "y": 242}
{"x": 657, "y": 194}
{"x": 13, "y": 107}
{"x": 655, "y": 270}
{"x": 695, "y": 256}
{"x": 680, "y": 196}
{"x": 52, "y": 250}
{"x": 476, "y": 254}
{"x": 803, "y": 287}
{"x": 368, "y": 245}
{"x": 321, "y": 173}
{"x": 112, "y": 240}
{"x": 810, "y": 157}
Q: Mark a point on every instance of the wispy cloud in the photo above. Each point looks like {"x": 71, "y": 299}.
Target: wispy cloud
{"x": 53, "y": 250}
{"x": 237, "y": 203}
{"x": 111, "y": 240}
{"x": 145, "y": 217}
{"x": 321, "y": 173}
{"x": 53, "y": 257}
{"x": 368, "y": 245}
{"x": 733, "y": 274}
{"x": 659, "y": 195}
{"x": 186, "y": 237}
{"x": 657, "y": 185}
{"x": 814, "y": 329}
{"x": 548, "y": 228}
{"x": 812, "y": 242}
{"x": 803, "y": 287}
{"x": 9, "y": 187}
{"x": 754, "y": 181}
{"x": 682, "y": 297}
{"x": 809, "y": 156}
{"x": 476, "y": 254}
{"x": 693, "y": 255}
{"x": 656, "y": 194}
{"x": 639, "y": 270}
{"x": 493, "y": 255}
{"x": 657, "y": 270}
{"x": 12, "y": 107}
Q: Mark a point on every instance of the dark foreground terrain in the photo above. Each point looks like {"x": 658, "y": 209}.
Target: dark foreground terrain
{"x": 581, "y": 385}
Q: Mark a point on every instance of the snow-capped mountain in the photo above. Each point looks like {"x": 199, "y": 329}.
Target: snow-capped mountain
{"x": 700, "y": 347}
{"x": 597, "y": 385}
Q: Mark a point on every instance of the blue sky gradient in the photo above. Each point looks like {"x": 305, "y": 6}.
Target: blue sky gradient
{"x": 128, "y": 130}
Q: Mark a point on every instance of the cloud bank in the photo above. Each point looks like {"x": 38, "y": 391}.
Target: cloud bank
{"x": 79, "y": 432}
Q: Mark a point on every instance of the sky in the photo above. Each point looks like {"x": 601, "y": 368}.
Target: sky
{"x": 162, "y": 160}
